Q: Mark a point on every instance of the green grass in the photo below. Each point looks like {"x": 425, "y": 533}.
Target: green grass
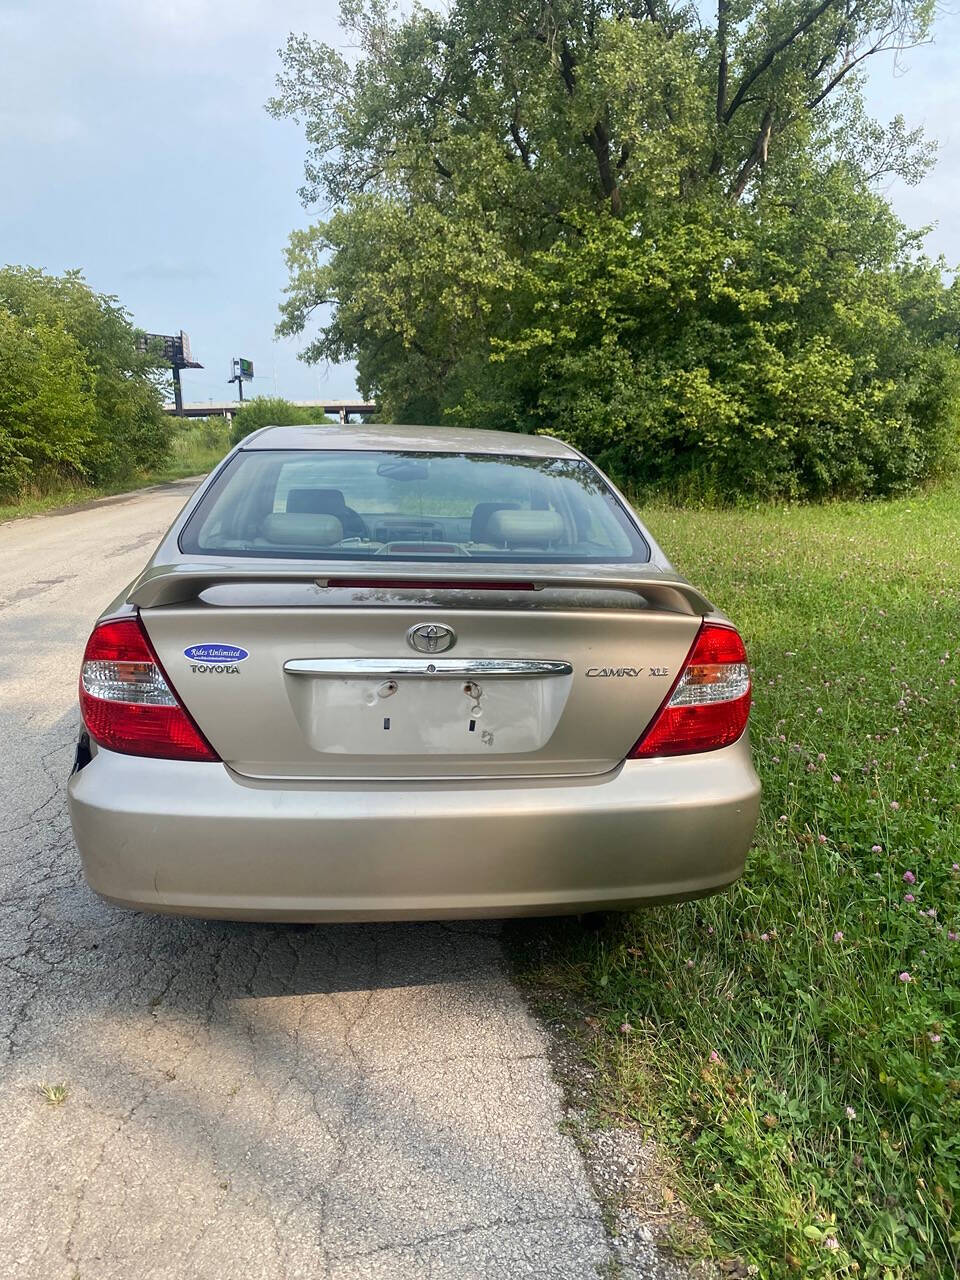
{"x": 55, "y": 1094}
{"x": 810, "y": 1097}
{"x": 196, "y": 447}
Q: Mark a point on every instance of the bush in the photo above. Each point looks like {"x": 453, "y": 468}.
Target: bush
{"x": 733, "y": 359}
{"x": 46, "y": 405}
{"x": 273, "y": 411}
{"x": 77, "y": 400}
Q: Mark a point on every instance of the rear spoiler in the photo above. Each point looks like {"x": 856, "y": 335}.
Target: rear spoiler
{"x": 179, "y": 583}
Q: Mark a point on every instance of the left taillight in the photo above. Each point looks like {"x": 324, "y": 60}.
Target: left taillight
{"x": 127, "y": 703}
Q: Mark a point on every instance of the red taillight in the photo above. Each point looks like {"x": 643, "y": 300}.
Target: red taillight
{"x": 708, "y": 705}
{"x": 127, "y": 702}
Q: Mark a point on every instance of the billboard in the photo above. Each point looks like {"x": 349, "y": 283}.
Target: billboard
{"x": 243, "y": 368}
{"x": 174, "y": 348}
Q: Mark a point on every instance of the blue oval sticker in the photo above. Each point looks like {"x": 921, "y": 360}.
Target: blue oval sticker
{"x": 215, "y": 653}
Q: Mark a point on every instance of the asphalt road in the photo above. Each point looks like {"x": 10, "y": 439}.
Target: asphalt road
{"x": 242, "y": 1100}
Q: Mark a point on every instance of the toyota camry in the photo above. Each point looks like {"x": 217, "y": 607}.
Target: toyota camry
{"x": 400, "y": 672}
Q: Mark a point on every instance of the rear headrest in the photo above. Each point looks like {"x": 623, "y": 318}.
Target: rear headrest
{"x": 319, "y": 501}
{"x": 481, "y": 516}
{"x": 527, "y": 528}
{"x": 303, "y": 529}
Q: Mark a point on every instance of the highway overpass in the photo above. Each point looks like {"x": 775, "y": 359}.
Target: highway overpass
{"x": 339, "y": 410}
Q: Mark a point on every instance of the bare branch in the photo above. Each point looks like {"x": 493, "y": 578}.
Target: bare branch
{"x": 881, "y": 46}
{"x": 768, "y": 58}
{"x": 757, "y": 156}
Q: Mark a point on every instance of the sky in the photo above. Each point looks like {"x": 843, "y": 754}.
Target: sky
{"x": 134, "y": 144}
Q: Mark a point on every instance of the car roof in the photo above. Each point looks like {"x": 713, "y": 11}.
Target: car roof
{"x": 421, "y": 439}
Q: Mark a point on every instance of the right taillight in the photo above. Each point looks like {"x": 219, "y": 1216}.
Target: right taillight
{"x": 708, "y": 706}
{"x": 128, "y": 704}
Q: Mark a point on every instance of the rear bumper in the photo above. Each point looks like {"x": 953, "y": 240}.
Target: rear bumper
{"x": 197, "y": 839}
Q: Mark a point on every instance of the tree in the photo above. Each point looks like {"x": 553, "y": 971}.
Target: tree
{"x": 104, "y": 382}
{"x": 606, "y": 219}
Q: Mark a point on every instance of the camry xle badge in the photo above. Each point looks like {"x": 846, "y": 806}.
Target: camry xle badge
{"x": 658, "y": 672}
{"x": 614, "y": 671}
{"x": 431, "y": 637}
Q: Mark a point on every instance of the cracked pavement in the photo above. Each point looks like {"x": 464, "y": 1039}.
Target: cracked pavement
{"x": 275, "y": 1101}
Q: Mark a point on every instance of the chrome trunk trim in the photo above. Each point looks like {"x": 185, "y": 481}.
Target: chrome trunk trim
{"x": 431, "y": 668}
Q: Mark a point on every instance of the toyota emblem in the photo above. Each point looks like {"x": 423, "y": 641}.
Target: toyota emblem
{"x": 431, "y": 637}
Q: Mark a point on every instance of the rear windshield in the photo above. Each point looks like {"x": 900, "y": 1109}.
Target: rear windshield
{"x": 353, "y": 505}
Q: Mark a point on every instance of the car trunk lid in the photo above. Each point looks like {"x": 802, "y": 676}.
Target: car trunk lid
{"x": 289, "y": 679}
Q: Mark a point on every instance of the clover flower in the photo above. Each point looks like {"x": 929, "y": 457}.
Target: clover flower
{"x": 909, "y": 878}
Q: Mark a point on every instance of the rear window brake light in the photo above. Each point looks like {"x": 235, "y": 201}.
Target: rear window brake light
{"x": 433, "y": 584}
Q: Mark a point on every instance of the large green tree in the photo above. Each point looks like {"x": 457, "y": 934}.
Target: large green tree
{"x": 614, "y": 221}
